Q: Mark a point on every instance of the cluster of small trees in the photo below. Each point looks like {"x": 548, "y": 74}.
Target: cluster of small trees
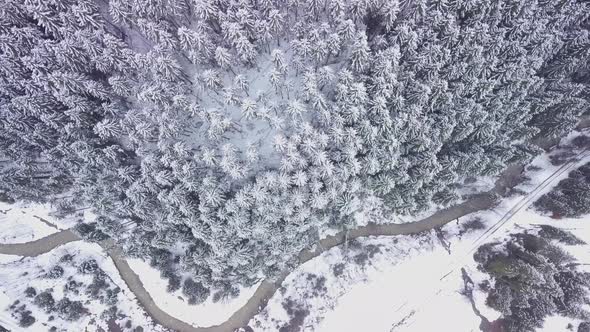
{"x": 21, "y": 314}
{"x": 571, "y": 197}
{"x": 533, "y": 278}
{"x": 230, "y": 132}
{"x": 67, "y": 308}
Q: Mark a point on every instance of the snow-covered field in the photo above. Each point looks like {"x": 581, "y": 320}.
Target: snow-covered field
{"x": 21, "y": 222}
{"x": 17, "y": 274}
{"x": 26, "y": 222}
{"x": 370, "y": 306}
{"x": 315, "y": 287}
{"x": 366, "y": 296}
{"x": 175, "y": 304}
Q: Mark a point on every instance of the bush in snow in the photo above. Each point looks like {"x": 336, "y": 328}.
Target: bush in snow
{"x": 26, "y": 319}
{"x": 195, "y": 291}
{"x": 56, "y": 272}
{"x": 111, "y": 296}
{"x": 45, "y": 301}
{"x": 30, "y": 292}
{"x": 21, "y": 314}
{"x": 554, "y": 233}
{"x": 109, "y": 313}
{"x": 472, "y": 224}
{"x": 67, "y": 258}
{"x": 98, "y": 285}
{"x": 72, "y": 286}
{"x": 70, "y": 310}
{"x": 581, "y": 141}
{"x": 225, "y": 292}
{"x": 89, "y": 266}
{"x": 90, "y": 232}
{"x": 173, "y": 281}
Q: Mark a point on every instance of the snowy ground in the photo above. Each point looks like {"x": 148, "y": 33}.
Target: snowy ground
{"x": 313, "y": 289}
{"x": 369, "y": 306}
{"x": 410, "y": 285}
{"x": 17, "y": 273}
{"x": 175, "y": 304}
{"x": 20, "y": 223}
{"x": 23, "y": 222}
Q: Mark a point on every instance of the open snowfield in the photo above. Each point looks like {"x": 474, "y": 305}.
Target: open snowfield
{"x": 26, "y": 222}
{"x": 314, "y": 288}
{"x": 369, "y": 306}
{"x": 21, "y": 223}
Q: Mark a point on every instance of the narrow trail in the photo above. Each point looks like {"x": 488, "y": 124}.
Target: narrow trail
{"x": 508, "y": 179}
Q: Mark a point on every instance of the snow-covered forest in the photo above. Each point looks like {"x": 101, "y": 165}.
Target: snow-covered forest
{"x": 571, "y": 198}
{"x": 218, "y": 138}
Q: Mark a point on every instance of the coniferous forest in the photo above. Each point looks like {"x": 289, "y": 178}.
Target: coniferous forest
{"x": 571, "y": 197}
{"x": 217, "y": 138}
{"x": 534, "y": 279}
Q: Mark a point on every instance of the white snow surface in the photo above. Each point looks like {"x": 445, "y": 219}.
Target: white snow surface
{"x": 558, "y": 324}
{"x": 26, "y": 222}
{"x": 20, "y": 223}
{"x": 410, "y": 295}
{"x": 318, "y": 284}
{"x": 175, "y": 304}
{"x": 17, "y": 273}
{"x": 369, "y": 306}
